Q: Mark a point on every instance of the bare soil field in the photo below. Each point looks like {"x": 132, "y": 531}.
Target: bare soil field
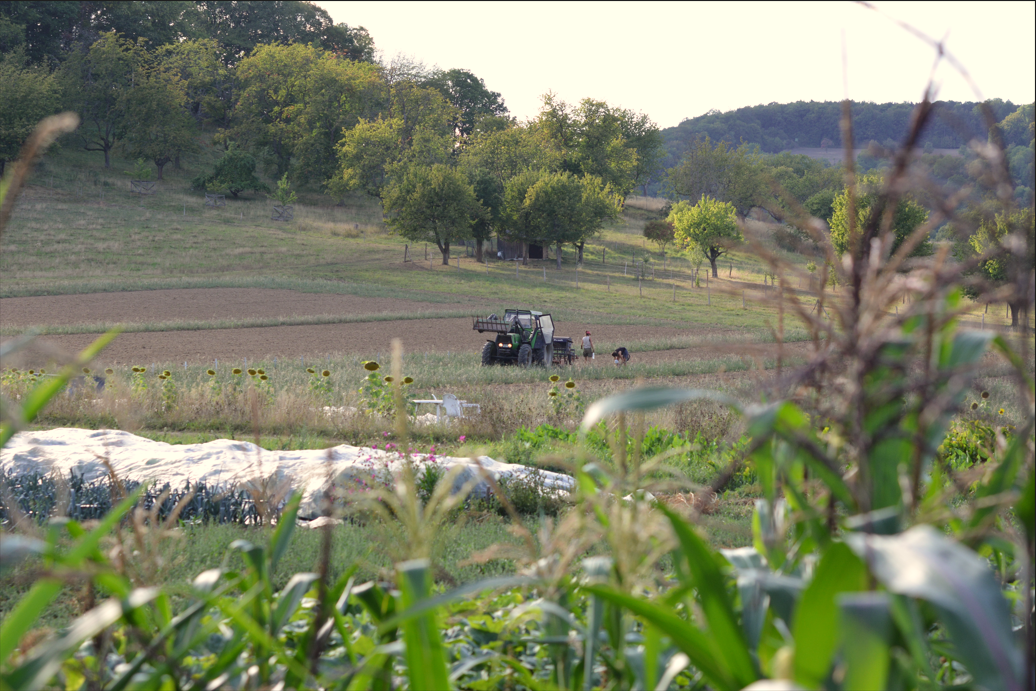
{"x": 198, "y": 304}
{"x": 361, "y": 338}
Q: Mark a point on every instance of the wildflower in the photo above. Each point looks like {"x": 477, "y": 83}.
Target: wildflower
{"x": 555, "y": 378}
{"x": 462, "y": 438}
{"x": 236, "y": 370}
{"x": 1001, "y": 411}
{"x": 251, "y": 372}
{"x": 109, "y": 371}
{"x": 570, "y": 384}
{"x": 386, "y": 434}
{"x": 210, "y": 372}
{"x": 311, "y": 370}
{"x": 985, "y": 394}
{"x": 408, "y": 380}
{"x": 974, "y": 406}
{"x": 326, "y": 373}
{"x": 371, "y": 366}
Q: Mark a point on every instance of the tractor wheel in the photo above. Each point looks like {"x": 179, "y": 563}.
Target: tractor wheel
{"x": 525, "y": 355}
{"x": 488, "y": 351}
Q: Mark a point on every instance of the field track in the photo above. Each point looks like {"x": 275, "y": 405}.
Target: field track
{"x": 363, "y": 339}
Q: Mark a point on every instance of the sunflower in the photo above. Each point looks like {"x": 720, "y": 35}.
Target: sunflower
{"x": 552, "y": 393}
{"x": 371, "y": 366}
{"x": 161, "y": 377}
{"x": 408, "y": 380}
{"x": 236, "y": 370}
{"x": 86, "y": 370}
{"x": 570, "y": 384}
{"x": 974, "y": 406}
{"x": 210, "y": 372}
{"x": 985, "y": 394}
{"x": 261, "y": 371}
{"x": 555, "y": 378}
{"x": 326, "y": 373}
{"x": 32, "y": 373}
{"x": 1001, "y": 411}
{"x": 263, "y": 377}
{"x": 43, "y": 371}
{"x": 251, "y": 372}
{"x": 109, "y": 371}
{"x": 311, "y": 370}
{"x": 167, "y": 374}
{"x": 389, "y": 379}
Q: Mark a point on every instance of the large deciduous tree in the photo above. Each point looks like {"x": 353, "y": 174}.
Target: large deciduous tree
{"x": 30, "y": 94}
{"x": 95, "y": 83}
{"x": 295, "y": 102}
{"x": 1007, "y": 245}
{"x": 432, "y": 204}
{"x": 157, "y": 124}
{"x": 470, "y": 98}
{"x": 709, "y": 227}
{"x": 723, "y": 173}
{"x": 908, "y": 216}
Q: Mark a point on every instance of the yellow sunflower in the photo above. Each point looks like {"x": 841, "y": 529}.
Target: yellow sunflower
{"x": 326, "y": 373}
{"x": 408, "y": 380}
{"x": 371, "y": 366}
{"x": 570, "y": 384}
{"x": 555, "y": 378}
{"x": 236, "y": 370}
{"x": 210, "y": 372}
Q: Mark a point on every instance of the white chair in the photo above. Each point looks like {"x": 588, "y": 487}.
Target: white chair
{"x": 455, "y": 407}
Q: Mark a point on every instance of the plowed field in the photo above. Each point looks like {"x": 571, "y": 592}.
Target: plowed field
{"x": 360, "y": 338}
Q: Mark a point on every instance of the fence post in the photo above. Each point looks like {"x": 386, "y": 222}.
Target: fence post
{"x": 624, "y": 265}
{"x": 609, "y": 284}
{"x": 577, "y": 275}
{"x": 742, "y": 299}
{"x": 544, "y": 273}
{"x": 516, "y": 268}
{"x": 674, "y": 292}
{"x": 640, "y": 286}
{"x": 604, "y": 255}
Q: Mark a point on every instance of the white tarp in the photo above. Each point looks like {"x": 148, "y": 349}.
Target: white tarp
{"x": 225, "y": 462}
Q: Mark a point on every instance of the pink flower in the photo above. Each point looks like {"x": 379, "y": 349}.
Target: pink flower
{"x": 462, "y": 438}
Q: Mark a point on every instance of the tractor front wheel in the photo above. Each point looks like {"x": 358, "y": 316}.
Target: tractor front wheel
{"x": 488, "y": 351}
{"x": 525, "y": 355}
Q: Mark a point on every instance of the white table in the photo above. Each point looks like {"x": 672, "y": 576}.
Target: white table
{"x": 438, "y": 407}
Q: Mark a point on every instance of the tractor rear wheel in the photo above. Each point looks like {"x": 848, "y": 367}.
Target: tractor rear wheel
{"x": 525, "y": 355}
{"x": 488, "y": 351}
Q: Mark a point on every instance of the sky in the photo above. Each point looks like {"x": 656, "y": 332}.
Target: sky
{"x": 679, "y": 60}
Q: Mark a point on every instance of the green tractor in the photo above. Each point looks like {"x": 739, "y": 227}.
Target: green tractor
{"x": 523, "y": 338}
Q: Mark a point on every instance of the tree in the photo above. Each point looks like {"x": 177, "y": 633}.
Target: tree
{"x": 489, "y": 191}
{"x": 1008, "y": 244}
{"x": 557, "y": 208}
{"x": 208, "y": 83}
{"x": 661, "y": 232}
{"x": 242, "y": 25}
{"x": 470, "y": 98}
{"x": 157, "y": 125}
{"x": 643, "y": 136}
{"x": 510, "y": 151}
{"x": 709, "y": 227}
{"x": 432, "y": 204}
{"x": 908, "y": 216}
{"x": 234, "y": 173}
{"x": 30, "y": 94}
{"x": 95, "y": 83}
{"x": 364, "y": 155}
{"x": 723, "y": 173}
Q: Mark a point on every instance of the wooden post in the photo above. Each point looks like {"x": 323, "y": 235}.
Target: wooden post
{"x": 624, "y": 264}
{"x": 609, "y": 284}
{"x": 577, "y": 275}
{"x": 742, "y": 299}
{"x": 516, "y": 268}
{"x": 708, "y": 292}
{"x": 674, "y": 292}
{"x": 983, "y": 320}
{"x": 604, "y": 255}
{"x": 640, "y": 286}
{"x": 426, "y": 250}
{"x": 544, "y": 273}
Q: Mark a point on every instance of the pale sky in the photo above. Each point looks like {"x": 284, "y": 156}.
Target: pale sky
{"x": 680, "y": 60}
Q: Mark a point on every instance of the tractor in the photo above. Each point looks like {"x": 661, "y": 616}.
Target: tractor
{"x": 523, "y": 338}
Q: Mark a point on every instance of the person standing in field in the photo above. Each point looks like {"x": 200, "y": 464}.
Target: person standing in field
{"x": 588, "y": 347}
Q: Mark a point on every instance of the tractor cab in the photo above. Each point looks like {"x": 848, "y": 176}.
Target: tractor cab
{"x": 523, "y": 337}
